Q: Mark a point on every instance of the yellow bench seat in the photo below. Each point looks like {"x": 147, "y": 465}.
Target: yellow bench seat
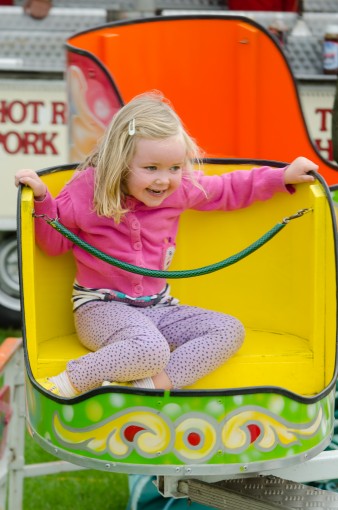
{"x": 267, "y": 358}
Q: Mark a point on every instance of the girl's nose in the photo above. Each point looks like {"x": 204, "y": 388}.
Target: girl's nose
{"x": 162, "y": 177}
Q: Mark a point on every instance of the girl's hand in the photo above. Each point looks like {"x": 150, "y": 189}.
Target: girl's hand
{"x": 297, "y": 171}
{"x": 31, "y": 179}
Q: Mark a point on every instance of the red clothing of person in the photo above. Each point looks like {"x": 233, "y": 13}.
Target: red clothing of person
{"x": 264, "y": 5}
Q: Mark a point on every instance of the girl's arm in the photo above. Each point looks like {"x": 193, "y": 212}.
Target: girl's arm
{"x": 48, "y": 239}
{"x": 240, "y": 188}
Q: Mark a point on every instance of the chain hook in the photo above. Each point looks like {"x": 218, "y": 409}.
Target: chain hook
{"x": 298, "y": 214}
{"x": 44, "y": 217}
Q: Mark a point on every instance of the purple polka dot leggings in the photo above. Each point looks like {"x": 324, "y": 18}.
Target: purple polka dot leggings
{"x": 130, "y": 343}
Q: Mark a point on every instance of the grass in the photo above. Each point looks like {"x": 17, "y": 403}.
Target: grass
{"x": 83, "y": 490}
{"x": 5, "y": 333}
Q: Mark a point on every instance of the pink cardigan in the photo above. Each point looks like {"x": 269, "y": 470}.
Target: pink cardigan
{"x": 146, "y": 236}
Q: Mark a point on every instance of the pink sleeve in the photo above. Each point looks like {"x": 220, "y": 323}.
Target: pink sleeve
{"x": 235, "y": 190}
{"x": 49, "y": 239}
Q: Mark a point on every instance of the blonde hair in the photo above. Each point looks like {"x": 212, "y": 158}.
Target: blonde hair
{"x": 147, "y": 116}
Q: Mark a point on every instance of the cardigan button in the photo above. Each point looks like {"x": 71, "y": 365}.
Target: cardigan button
{"x": 138, "y": 289}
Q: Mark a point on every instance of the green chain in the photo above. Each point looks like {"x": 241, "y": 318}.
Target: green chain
{"x": 171, "y": 274}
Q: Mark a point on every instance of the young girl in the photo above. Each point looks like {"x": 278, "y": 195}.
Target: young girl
{"x": 126, "y": 200}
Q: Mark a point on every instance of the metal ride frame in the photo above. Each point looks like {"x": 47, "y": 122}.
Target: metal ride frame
{"x": 282, "y": 488}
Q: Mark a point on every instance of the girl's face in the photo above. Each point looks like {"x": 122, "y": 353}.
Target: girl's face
{"x": 156, "y": 169}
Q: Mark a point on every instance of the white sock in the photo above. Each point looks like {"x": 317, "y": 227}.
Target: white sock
{"x": 65, "y": 386}
{"x": 147, "y": 382}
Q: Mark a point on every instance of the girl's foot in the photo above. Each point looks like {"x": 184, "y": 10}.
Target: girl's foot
{"x": 48, "y": 385}
{"x": 59, "y": 385}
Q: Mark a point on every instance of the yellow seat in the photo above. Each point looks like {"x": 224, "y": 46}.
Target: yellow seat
{"x": 266, "y": 359}
{"x": 284, "y": 293}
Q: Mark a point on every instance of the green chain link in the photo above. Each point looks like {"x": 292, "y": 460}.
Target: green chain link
{"x": 166, "y": 274}
{"x": 188, "y": 273}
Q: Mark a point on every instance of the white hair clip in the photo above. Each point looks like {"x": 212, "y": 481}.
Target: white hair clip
{"x": 131, "y": 128}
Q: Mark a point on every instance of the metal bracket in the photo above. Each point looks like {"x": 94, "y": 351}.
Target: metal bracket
{"x": 259, "y": 493}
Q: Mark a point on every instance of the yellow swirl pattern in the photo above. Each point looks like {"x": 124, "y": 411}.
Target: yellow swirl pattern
{"x": 153, "y": 440}
{"x": 236, "y": 436}
{"x": 193, "y": 438}
{"x": 208, "y": 434}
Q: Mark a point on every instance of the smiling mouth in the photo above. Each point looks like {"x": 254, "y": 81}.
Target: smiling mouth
{"x": 156, "y": 192}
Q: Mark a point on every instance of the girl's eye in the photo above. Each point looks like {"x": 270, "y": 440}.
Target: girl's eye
{"x": 175, "y": 168}
{"x": 152, "y": 168}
